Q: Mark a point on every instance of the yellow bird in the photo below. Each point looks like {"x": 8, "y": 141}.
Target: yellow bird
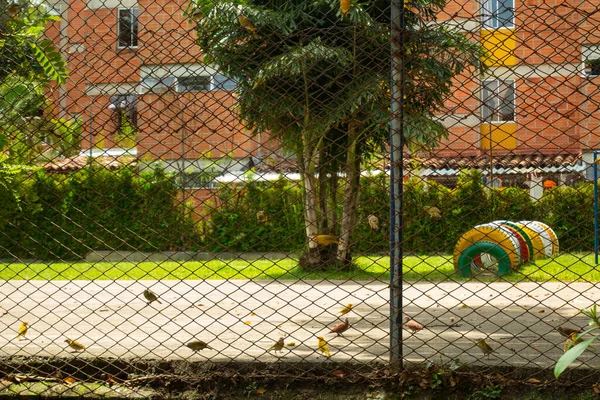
{"x": 23, "y": 330}
{"x": 198, "y": 345}
{"x": 75, "y": 345}
{"x": 374, "y": 222}
{"x": 485, "y": 348}
{"x": 261, "y": 216}
{"x": 323, "y": 346}
{"x": 572, "y": 341}
{"x": 344, "y": 6}
{"x": 326, "y": 240}
{"x": 433, "y": 212}
{"x": 346, "y": 309}
{"x": 247, "y": 24}
{"x": 278, "y": 346}
{"x": 151, "y": 296}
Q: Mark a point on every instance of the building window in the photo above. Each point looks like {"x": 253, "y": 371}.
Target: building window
{"x": 498, "y": 13}
{"x": 127, "y": 27}
{"x": 222, "y": 82}
{"x": 498, "y": 101}
{"x": 194, "y": 83}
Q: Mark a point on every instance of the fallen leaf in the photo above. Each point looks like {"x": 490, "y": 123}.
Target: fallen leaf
{"x": 248, "y": 322}
{"x": 260, "y": 390}
{"x": 252, "y": 315}
{"x": 200, "y": 305}
{"x": 501, "y": 378}
{"x": 596, "y": 388}
{"x": 464, "y": 306}
{"x": 533, "y": 380}
{"x": 451, "y": 319}
{"x": 478, "y": 380}
{"x": 291, "y": 344}
{"x": 70, "y": 380}
{"x": 541, "y": 311}
{"x": 338, "y": 373}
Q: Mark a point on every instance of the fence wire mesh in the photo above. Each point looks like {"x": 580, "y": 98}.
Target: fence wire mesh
{"x": 212, "y": 181}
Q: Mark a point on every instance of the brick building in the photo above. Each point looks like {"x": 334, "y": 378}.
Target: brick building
{"x": 138, "y": 83}
{"x": 535, "y": 109}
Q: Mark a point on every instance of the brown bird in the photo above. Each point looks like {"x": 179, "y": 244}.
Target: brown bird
{"x": 567, "y": 332}
{"x": 278, "y": 346}
{"x": 23, "y": 330}
{"x": 247, "y": 24}
{"x": 413, "y": 325}
{"x": 485, "y": 348}
{"x": 341, "y": 327}
{"x": 13, "y": 10}
{"x": 198, "y": 345}
{"x": 75, "y": 345}
{"x": 374, "y": 222}
{"x": 326, "y": 240}
{"x": 151, "y": 296}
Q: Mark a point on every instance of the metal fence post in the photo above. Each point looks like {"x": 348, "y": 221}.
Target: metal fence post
{"x": 396, "y": 172}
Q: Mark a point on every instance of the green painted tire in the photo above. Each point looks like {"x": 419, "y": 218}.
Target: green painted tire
{"x": 465, "y": 265}
{"x": 523, "y": 235}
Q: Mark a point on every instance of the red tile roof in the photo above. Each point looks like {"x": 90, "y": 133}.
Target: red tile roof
{"x": 76, "y": 163}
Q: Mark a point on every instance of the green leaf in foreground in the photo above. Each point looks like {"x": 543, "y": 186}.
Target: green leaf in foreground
{"x": 567, "y": 359}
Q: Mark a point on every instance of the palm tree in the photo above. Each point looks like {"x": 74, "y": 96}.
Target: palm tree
{"x": 318, "y": 79}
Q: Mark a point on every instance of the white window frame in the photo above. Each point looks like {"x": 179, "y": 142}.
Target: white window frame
{"x": 489, "y": 14}
{"x": 590, "y": 53}
{"x": 134, "y": 32}
{"x": 495, "y": 94}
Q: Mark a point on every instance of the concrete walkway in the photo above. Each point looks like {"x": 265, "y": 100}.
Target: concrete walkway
{"x": 242, "y": 319}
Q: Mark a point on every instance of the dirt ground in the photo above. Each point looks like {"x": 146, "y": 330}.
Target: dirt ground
{"x": 143, "y": 379}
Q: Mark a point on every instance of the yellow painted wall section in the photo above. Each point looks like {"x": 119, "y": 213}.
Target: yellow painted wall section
{"x": 499, "y": 45}
{"x": 503, "y": 135}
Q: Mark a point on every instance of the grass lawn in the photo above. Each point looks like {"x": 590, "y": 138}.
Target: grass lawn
{"x": 566, "y": 267}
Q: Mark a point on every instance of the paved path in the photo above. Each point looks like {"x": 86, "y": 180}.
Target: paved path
{"x": 241, "y": 319}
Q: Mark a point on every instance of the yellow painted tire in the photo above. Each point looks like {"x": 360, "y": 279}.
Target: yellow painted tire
{"x": 495, "y": 234}
{"x": 553, "y": 236}
{"x": 536, "y": 241}
{"x": 543, "y": 234}
{"x": 512, "y": 237}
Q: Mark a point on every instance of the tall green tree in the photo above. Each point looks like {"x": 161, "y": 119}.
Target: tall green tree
{"x": 317, "y": 77}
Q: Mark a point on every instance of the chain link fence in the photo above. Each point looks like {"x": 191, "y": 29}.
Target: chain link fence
{"x": 212, "y": 181}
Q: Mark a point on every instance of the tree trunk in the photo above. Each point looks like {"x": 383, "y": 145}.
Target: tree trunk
{"x": 349, "y": 210}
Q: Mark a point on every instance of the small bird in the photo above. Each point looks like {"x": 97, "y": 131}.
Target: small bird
{"x": 341, "y": 327}
{"x": 13, "y": 10}
{"x": 247, "y": 24}
{"x": 326, "y": 240}
{"x": 75, "y": 345}
{"x": 572, "y": 341}
{"x": 278, "y": 346}
{"x": 22, "y": 330}
{"x": 261, "y": 216}
{"x": 433, "y": 212}
{"x": 485, "y": 348}
{"x": 323, "y": 346}
{"x": 151, "y": 296}
{"x": 567, "y": 332}
{"x": 413, "y": 325}
{"x": 346, "y": 309}
{"x": 344, "y": 6}
{"x": 198, "y": 345}
{"x": 196, "y": 14}
{"x": 374, "y": 222}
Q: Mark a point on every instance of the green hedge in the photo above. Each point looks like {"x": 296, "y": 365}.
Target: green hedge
{"x": 52, "y": 216}
{"x": 66, "y": 216}
{"x": 234, "y": 226}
